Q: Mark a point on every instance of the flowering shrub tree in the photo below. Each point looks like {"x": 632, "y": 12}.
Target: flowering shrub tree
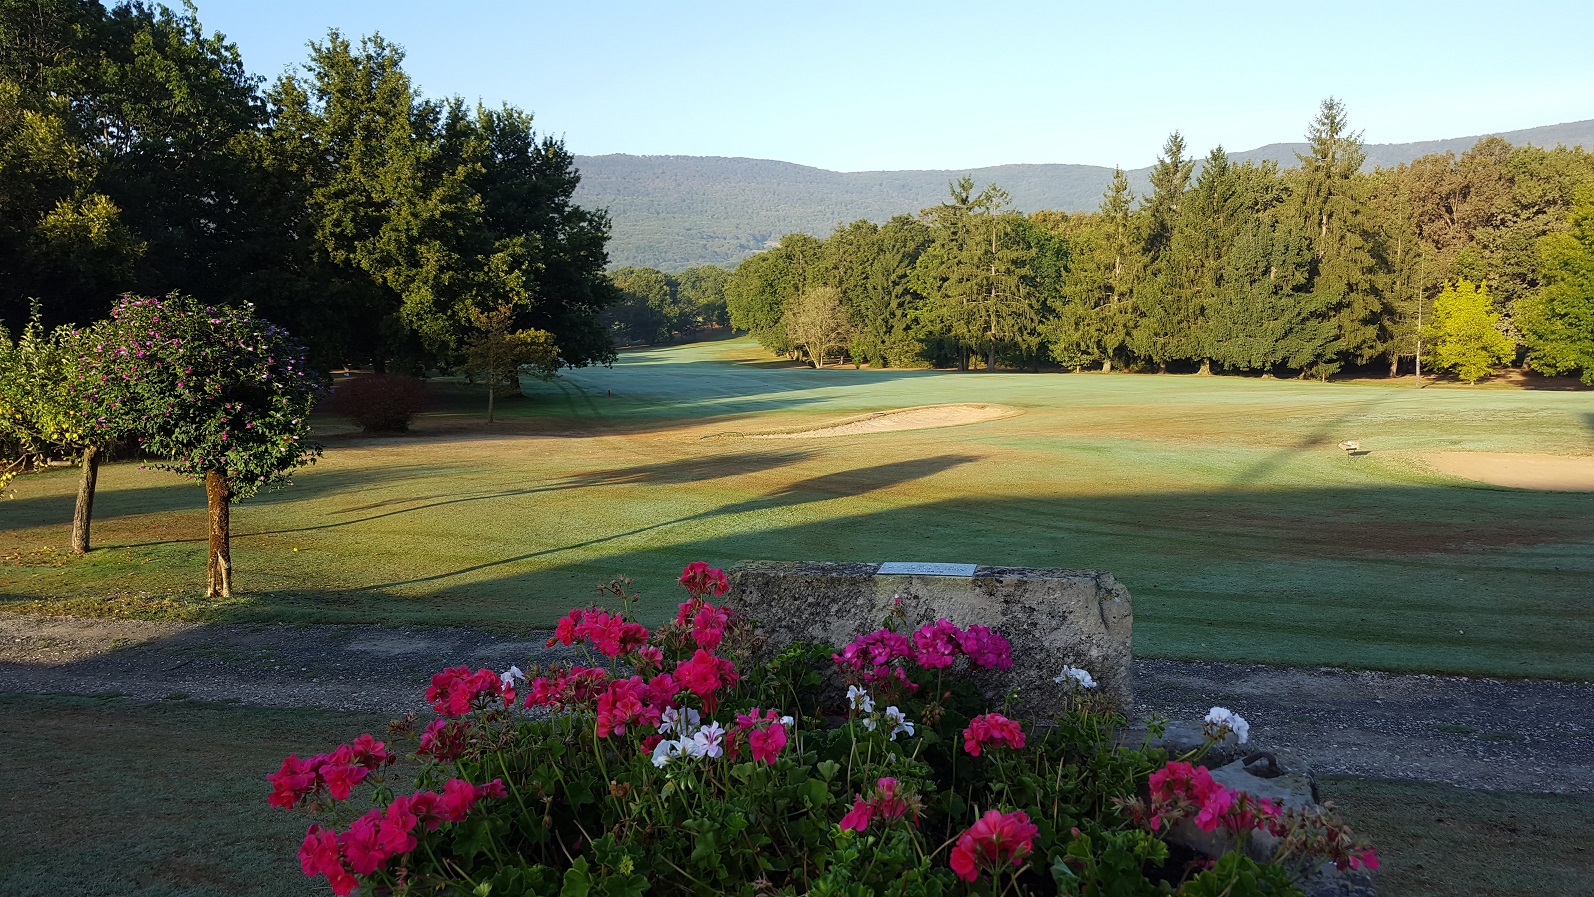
{"x": 224, "y": 396}
{"x": 668, "y": 763}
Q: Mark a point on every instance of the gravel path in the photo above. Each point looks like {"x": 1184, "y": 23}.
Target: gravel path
{"x": 1516, "y": 735}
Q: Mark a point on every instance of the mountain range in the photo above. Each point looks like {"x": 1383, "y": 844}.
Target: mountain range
{"x": 677, "y": 212}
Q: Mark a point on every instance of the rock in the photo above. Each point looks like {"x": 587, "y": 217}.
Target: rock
{"x": 1052, "y": 617}
{"x": 1181, "y": 739}
{"x": 1291, "y": 787}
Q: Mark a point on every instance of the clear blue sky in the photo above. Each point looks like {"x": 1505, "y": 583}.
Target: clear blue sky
{"x": 860, "y": 86}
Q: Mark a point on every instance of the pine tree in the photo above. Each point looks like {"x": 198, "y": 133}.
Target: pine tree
{"x": 1329, "y": 193}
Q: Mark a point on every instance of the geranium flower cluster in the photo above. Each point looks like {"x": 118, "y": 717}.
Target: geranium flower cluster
{"x": 455, "y": 692}
{"x": 992, "y": 729}
{"x": 702, "y": 581}
{"x": 385, "y": 832}
{"x": 611, "y": 634}
{"x": 1182, "y": 791}
{"x": 336, "y": 773}
{"x": 885, "y": 802}
{"x": 644, "y": 722}
{"x": 994, "y": 840}
{"x": 934, "y": 646}
{"x": 563, "y": 688}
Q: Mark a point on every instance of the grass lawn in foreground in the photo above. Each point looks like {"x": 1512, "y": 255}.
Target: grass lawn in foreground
{"x": 1222, "y": 503}
{"x": 107, "y": 797}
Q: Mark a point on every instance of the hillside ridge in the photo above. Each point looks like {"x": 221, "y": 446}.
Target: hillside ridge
{"x": 675, "y": 212}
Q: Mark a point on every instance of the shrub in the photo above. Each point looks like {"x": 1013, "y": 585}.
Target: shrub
{"x": 656, "y": 765}
{"x": 379, "y": 403}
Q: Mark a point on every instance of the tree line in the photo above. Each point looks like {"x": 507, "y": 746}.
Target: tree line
{"x": 138, "y": 155}
{"x": 655, "y": 307}
{"x": 1473, "y": 261}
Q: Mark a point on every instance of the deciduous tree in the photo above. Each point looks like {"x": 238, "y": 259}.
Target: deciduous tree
{"x": 1557, "y": 320}
{"x": 1465, "y": 333}
{"x": 497, "y": 353}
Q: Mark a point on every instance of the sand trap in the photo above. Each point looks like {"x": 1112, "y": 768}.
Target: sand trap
{"x": 921, "y": 418}
{"x": 1555, "y": 473}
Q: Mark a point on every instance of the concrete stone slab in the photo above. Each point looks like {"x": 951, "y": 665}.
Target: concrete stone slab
{"x": 1052, "y": 617}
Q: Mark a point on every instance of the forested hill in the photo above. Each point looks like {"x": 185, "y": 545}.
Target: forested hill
{"x": 677, "y": 212}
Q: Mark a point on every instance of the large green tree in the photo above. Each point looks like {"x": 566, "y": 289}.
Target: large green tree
{"x": 128, "y": 129}
{"x": 417, "y": 214}
{"x": 1557, "y": 320}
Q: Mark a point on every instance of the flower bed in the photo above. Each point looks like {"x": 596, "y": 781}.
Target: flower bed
{"x": 680, "y": 761}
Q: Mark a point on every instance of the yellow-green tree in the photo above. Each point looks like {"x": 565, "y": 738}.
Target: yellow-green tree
{"x": 1464, "y": 336}
{"x": 497, "y": 353}
{"x": 43, "y": 416}
{"x": 816, "y": 323}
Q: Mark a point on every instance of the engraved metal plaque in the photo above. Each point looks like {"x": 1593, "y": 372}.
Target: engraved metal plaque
{"x": 912, "y": 569}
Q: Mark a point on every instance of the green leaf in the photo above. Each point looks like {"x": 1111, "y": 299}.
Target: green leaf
{"x": 578, "y": 880}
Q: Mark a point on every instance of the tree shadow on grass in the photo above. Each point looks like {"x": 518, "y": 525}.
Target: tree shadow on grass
{"x": 820, "y": 488}
{"x": 661, "y": 474}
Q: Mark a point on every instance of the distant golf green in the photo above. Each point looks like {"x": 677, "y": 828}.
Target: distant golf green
{"x": 1224, "y": 503}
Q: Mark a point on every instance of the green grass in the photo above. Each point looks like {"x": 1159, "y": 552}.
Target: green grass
{"x": 1441, "y": 841}
{"x": 107, "y": 797}
{"x": 1221, "y": 502}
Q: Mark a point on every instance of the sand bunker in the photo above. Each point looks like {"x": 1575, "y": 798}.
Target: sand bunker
{"x": 921, "y": 418}
{"x": 1555, "y": 473}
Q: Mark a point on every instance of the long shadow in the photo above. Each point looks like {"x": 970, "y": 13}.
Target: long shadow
{"x": 820, "y": 488}
{"x": 664, "y": 473}
{"x": 1322, "y": 437}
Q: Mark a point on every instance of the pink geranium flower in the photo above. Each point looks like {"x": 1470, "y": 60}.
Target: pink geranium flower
{"x": 995, "y": 839}
{"x": 701, "y": 580}
{"x": 992, "y": 728}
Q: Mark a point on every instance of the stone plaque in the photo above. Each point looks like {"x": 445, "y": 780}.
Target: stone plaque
{"x": 908, "y": 568}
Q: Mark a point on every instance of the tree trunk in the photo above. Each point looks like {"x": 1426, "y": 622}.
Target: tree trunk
{"x": 1206, "y": 368}
{"x": 83, "y": 516}
{"x": 1394, "y": 365}
{"x": 990, "y": 360}
{"x": 491, "y": 389}
{"x": 1106, "y": 365}
{"x": 218, "y": 574}
{"x": 1162, "y": 367}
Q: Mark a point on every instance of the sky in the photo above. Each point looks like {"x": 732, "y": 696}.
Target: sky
{"x": 863, "y": 86}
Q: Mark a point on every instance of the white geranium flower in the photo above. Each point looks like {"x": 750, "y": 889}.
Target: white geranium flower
{"x": 788, "y": 722}
{"x": 678, "y": 720}
{"x": 899, "y": 722}
{"x": 860, "y": 700}
{"x": 709, "y": 741}
{"x": 1081, "y": 677}
{"x": 509, "y": 676}
{"x": 868, "y": 723}
{"x": 667, "y": 751}
{"x": 1221, "y": 719}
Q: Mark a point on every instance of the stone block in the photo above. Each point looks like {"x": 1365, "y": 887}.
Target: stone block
{"x": 1052, "y": 617}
